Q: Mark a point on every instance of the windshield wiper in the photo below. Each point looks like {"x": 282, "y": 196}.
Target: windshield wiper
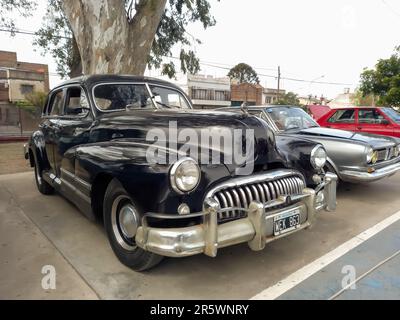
{"x": 164, "y": 105}
{"x": 161, "y": 103}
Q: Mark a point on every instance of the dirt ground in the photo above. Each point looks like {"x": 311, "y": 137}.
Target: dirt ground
{"x": 12, "y": 159}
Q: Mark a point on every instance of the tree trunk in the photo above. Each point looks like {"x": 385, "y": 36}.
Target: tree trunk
{"x": 107, "y": 42}
{"x": 76, "y": 61}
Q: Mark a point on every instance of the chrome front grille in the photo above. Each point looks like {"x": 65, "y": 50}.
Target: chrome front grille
{"x": 386, "y": 154}
{"x": 241, "y": 195}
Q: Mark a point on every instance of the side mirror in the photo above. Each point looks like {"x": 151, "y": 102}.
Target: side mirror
{"x": 385, "y": 122}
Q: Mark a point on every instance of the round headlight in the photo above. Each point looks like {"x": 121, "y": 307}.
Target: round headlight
{"x": 372, "y": 156}
{"x": 318, "y": 157}
{"x": 397, "y": 151}
{"x": 185, "y": 175}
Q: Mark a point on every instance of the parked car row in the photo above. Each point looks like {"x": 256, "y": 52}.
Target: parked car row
{"x": 132, "y": 152}
{"x": 353, "y": 157}
{"x": 376, "y": 120}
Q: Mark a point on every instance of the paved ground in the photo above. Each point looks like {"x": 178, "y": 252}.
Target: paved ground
{"x": 36, "y": 230}
{"x": 369, "y": 271}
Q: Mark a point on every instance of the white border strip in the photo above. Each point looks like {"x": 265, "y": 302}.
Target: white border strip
{"x": 307, "y": 271}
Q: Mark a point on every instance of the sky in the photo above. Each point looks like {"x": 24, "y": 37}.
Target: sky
{"x": 311, "y": 40}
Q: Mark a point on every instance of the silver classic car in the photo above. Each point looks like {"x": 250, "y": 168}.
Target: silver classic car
{"x": 354, "y": 157}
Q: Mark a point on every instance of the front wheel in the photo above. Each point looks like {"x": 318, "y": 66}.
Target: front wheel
{"x": 122, "y": 218}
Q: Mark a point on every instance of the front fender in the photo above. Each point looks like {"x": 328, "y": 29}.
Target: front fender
{"x": 147, "y": 183}
{"x": 297, "y": 153}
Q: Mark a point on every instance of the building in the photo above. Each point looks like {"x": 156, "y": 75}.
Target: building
{"x": 343, "y": 100}
{"x": 254, "y": 94}
{"x": 250, "y": 93}
{"x": 207, "y": 92}
{"x": 312, "y": 100}
{"x": 17, "y": 79}
{"x": 270, "y": 96}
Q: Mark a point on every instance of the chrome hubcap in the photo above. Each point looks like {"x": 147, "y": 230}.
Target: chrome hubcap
{"x": 125, "y": 220}
{"x": 128, "y": 221}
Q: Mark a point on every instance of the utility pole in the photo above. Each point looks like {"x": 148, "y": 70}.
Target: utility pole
{"x": 279, "y": 83}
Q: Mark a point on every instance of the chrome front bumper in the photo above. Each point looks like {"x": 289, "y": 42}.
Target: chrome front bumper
{"x": 257, "y": 229}
{"x": 358, "y": 176}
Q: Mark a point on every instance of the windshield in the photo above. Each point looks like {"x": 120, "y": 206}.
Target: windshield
{"x": 122, "y": 96}
{"x": 290, "y": 118}
{"x": 392, "y": 114}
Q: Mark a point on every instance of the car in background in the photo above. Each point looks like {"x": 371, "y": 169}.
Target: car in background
{"x": 377, "y": 120}
{"x": 354, "y": 157}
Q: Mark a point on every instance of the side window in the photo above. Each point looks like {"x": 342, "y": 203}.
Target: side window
{"x": 76, "y": 102}
{"x": 56, "y": 104}
{"x": 370, "y": 116}
{"x": 343, "y": 116}
{"x": 169, "y": 97}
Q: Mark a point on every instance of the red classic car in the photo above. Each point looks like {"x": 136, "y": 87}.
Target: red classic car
{"x": 377, "y": 120}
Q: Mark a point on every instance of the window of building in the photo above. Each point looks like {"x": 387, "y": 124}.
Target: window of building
{"x": 222, "y": 96}
{"x": 209, "y": 94}
{"x": 268, "y": 100}
{"x": 26, "y": 88}
{"x": 343, "y": 116}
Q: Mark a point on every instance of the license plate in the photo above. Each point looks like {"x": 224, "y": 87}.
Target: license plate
{"x": 286, "y": 222}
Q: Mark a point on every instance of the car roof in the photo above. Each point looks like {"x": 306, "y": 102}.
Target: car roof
{"x": 261, "y": 107}
{"x": 355, "y": 107}
{"x": 91, "y": 80}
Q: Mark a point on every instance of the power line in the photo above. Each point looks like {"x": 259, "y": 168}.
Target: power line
{"x": 274, "y": 76}
{"x": 31, "y": 33}
{"x": 391, "y": 8}
{"x": 213, "y": 65}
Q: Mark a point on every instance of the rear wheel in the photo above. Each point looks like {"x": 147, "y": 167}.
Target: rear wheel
{"x": 122, "y": 218}
{"x": 41, "y": 184}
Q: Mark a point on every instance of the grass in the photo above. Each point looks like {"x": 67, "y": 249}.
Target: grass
{"x": 12, "y": 158}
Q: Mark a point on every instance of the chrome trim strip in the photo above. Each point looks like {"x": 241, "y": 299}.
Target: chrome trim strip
{"x": 366, "y": 177}
{"x": 75, "y": 190}
{"x": 144, "y": 83}
{"x": 75, "y": 178}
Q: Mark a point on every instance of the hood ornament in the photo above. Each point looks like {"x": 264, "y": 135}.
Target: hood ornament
{"x": 244, "y": 108}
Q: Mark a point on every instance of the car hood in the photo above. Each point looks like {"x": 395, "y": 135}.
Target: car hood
{"x": 136, "y": 124}
{"x": 375, "y": 141}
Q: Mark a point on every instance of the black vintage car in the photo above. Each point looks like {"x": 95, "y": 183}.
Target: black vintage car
{"x": 103, "y": 142}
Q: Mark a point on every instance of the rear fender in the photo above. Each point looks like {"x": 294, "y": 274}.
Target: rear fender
{"x": 38, "y": 150}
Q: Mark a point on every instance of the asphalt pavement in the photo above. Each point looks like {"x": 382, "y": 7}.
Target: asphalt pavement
{"x": 38, "y": 231}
